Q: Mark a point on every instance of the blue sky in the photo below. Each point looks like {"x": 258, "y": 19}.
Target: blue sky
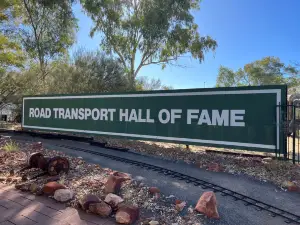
{"x": 246, "y": 30}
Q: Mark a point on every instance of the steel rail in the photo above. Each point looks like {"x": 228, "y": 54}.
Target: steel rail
{"x": 248, "y": 201}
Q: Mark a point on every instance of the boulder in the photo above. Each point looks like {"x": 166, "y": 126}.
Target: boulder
{"x": 101, "y": 208}
{"x": 291, "y": 186}
{"x": 268, "y": 159}
{"x": 63, "y": 195}
{"x": 127, "y": 214}
{"x": 154, "y": 190}
{"x": 51, "y": 187}
{"x": 126, "y": 176}
{"x": 113, "y": 200}
{"x": 153, "y": 222}
{"x": 113, "y": 184}
{"x": 88, "y": 199}
{"x": 177, "y": 201}
{"x": 156, "y": 196}
{"x": 207, "y": 204}
{"x": 215, "y": 167}
{"x": 179, "y": 207}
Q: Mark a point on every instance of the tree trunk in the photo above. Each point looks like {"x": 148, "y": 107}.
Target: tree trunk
{"x": 131, "y": 80}
{"x": 43, "y": 73}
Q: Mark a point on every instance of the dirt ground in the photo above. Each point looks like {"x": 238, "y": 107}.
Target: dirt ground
{"x": 259, "y": 165}
{"x": 84, "y": 178}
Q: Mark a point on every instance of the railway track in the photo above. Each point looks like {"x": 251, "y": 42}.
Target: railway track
{"x": 248, "y": 201}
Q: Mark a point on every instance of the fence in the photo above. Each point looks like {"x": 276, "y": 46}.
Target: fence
{"x": 290, "y": 128}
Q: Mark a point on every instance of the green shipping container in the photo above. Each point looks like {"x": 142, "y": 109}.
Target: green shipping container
{"x": 244, "y": 118}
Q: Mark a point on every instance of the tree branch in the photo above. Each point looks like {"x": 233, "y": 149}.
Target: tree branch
{"x": 160, "y": 62}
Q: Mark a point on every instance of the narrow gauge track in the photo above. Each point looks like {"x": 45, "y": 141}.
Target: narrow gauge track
{"x": 248, "y": 201}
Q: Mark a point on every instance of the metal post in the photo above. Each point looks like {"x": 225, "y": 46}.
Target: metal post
{"x": 294, "y": 135}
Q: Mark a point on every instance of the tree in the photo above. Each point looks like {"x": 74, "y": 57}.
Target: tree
{"x": 267, "y": 71}
{"x": 88, "y": 72}
{"x": 11, "y": 54}
{"x": 145, "y": 84}
{"x": 11, "y": 84}
{"x": 48, "y": 30}
{"x": 159, "y": 31}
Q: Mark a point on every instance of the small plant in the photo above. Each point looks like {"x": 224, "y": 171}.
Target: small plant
{"x": 62, "y": 179}
{"x": 11, "y": 146}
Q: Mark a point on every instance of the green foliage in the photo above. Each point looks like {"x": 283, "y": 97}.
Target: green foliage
{"x": 267, "y": 71}
{"x": 48, "y": 29}
{"x": 145, "y": 84}
{"x": 89, "y": 72}
{"x": 160, "y": 31}
{"x": 10, "y": 146}
{"x": 9, "y": 10}
{"x": 11, "y": 84}
{"x": 11, "y": 54}
{"x": 85, "y": 72}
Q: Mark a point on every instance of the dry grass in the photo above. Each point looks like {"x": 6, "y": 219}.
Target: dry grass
{"x": 10, "y": 146}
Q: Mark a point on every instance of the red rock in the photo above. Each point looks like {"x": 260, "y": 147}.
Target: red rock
{"x": 291, "y": 186}
{"x": 113, "y": 200}
{"x": 124, "y": 175}
{"x": 207, "y": 204}
{"x": 179, "y": 207}
{"x": 88, "y": 199}
{"x": 177, "y": 201}
{"x": 215, "y": 167}
{"x": 101, "y": 208}
{"x": 156, "y": 196}
{"x": 127, "y": 214}
{"x": 113, "y": 184}
{"x": 154, "y": 190}
{"x": 51, "y": 187}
